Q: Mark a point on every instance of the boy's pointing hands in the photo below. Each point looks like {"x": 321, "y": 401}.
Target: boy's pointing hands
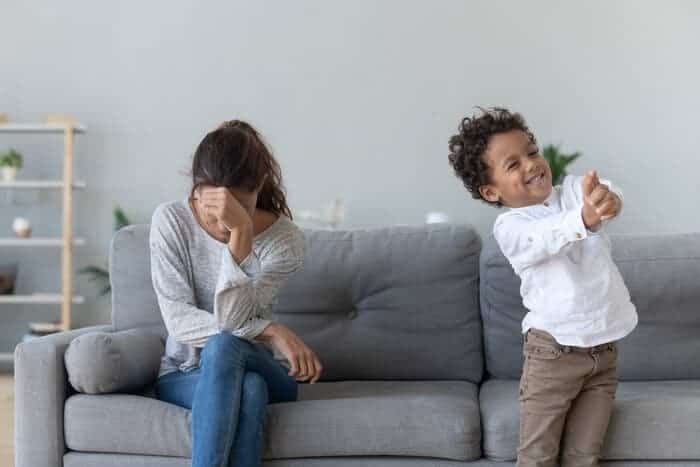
{"x": 599, "y": 203}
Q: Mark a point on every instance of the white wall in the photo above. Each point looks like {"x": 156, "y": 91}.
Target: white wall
{"x": 357, "y": 98}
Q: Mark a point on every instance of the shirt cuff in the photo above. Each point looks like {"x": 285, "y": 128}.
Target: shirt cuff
{"x": 575, "y": 229}
{"x": 252, "y": 328}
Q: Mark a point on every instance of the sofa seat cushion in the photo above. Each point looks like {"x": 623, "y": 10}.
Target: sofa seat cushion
{"x": 352, "y": 418}
{"x": 650, "y": 420}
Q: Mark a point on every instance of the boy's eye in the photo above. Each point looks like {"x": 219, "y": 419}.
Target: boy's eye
{"x": 534, "y": 152}
{"x": 512, "y": 165}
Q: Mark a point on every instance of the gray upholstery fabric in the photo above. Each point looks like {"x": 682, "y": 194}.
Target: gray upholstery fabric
{"x": 404, "y": 300}
{"x": 661, "y": 273}
{"x": 432, "y": 419}
{"x": 374, "y": 304}
{"x": 104, "y": 362}
{"x": 383, "y": 303}
{"x": 41, "y": 388}
{"x": 134, "y": 303}
{"x": 650, "y": 420}
{"x": 127, "y": 424}
{"x": 79, "y": 459}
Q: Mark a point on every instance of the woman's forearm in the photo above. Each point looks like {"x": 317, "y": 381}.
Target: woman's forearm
{"x": 240, "y": 243}
{"x": 268, "y": 333}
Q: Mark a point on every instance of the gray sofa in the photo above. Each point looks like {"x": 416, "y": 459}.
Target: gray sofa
{"x": 418, "y": 330}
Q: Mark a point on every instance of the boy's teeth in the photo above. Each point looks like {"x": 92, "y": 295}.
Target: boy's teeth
{"x": 535, "y": 178}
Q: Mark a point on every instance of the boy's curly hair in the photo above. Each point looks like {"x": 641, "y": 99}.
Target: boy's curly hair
{"x": 469, "y": 145}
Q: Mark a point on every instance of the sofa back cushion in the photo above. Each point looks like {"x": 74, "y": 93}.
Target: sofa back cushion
{"x": 662, "y": 273}
{"x": 386, "y": 303}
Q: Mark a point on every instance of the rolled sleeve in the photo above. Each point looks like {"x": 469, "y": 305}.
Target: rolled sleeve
{"x": 232, "y": 274}
{"x": 245, "y": 292}
{"x": 525, "y": 241}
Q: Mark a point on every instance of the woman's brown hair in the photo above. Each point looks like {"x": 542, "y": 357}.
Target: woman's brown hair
{"x": 235, "y": 156}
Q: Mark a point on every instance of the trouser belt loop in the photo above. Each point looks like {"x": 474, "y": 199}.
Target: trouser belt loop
{"x": 566, "y": 349}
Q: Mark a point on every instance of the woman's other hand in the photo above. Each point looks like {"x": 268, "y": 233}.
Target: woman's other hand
{"x": 304, "y": 363}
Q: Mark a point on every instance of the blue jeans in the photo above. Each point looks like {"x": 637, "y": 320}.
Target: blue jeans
{"x": 228, "y": 394}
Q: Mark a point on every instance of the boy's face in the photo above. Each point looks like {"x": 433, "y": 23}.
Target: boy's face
{"x": 520, "y": 176}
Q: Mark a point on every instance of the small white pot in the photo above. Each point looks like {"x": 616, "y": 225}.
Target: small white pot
{"x": 9, "y": 174}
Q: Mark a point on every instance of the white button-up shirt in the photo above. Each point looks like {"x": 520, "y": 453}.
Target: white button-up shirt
{"x": 569, "y": 282}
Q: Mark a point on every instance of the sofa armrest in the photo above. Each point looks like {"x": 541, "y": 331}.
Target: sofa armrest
{"x": 41, "y": 389}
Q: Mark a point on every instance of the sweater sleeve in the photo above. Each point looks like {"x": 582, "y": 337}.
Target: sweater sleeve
{"x": 245, "y": 292}
{"x": 185, "y": 322}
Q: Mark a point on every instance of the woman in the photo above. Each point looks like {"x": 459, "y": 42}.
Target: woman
{"x": 218, "y": 260}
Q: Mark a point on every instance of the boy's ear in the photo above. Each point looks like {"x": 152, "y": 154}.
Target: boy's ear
{"x": 489, "y": 193}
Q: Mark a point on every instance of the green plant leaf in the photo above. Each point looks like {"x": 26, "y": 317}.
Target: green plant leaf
{"x": 11, "y": 158}
{"x": 102, "y": 274}
{"x": 558, "y": 162}
{"x": 120, "y": 219}
{"x": 106, "y": 290}
{"x": 96, "y": 270}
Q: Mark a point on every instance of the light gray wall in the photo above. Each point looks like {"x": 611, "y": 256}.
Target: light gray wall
{"x": 358, "y": 98}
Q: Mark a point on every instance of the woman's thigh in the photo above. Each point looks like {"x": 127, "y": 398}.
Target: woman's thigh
{"x": 280, "y": 386}
{"x": 178, "y": 387}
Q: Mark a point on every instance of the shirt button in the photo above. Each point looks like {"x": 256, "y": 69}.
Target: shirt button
{"x": 529, "y": 239}
{"x": 546, "y": 204}
{"x": 578, "y": 235}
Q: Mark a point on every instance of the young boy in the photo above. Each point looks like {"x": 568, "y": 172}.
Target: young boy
{"x": 578, "y": 305}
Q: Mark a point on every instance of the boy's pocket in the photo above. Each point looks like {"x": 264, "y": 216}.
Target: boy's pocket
{"x": 541, "y": 346}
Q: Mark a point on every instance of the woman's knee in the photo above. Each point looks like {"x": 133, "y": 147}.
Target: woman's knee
{"x": 224, "y": 346}
{"x": 254, "y": 397}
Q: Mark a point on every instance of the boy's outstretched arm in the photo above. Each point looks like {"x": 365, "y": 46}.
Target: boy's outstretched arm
{"x": 526, "y": 241}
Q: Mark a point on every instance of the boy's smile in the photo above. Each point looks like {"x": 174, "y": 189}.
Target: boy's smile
{"x": 519, "y": 175}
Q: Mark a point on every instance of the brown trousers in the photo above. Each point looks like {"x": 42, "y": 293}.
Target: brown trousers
{"x": 566, "y": 397}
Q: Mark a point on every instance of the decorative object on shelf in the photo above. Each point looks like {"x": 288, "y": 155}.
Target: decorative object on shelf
{"x": 333, "y": 215}
{"x": 68, "y": 129}
{"x": 101, "y": 274}
{"x": 436, "y": 217}
{"x": 8, "y": 276}
{"x": 558, "y": 161}
{"x": 22, "y": 227}
{"x": 38, "y": 329}
{"x": 10, "y": 163}
{"x": 3, "y": 118}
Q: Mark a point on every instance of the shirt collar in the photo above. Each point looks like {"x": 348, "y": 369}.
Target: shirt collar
{"x": 551, "y": 200}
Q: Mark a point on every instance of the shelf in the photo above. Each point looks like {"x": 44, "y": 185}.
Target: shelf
{"x": 40, "y": 184}
{"x": 38, "y": 241}
{"x": 39, "y": 298}
{"x": 67, "y": 128}
{"x": 7, "y": 357}
{"x": 43, "y": 327}
{"x": 39, "y": 128}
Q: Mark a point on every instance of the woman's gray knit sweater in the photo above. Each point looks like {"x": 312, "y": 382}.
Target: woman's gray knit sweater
{"x": 201, "y": 289}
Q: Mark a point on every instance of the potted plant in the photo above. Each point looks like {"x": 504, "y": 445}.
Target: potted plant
{"x": 558, "y": 161}
{"x": 10, "y": 163}
{"x": 101, "y": 274}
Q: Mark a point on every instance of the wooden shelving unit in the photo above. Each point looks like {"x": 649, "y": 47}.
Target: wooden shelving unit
{"x": 40, "y": 184}
{"x": 66, "y": 242}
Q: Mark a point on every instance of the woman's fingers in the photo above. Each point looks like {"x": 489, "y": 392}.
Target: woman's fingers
{"x": 303, "y": 368}
{"x": 317, "y": 370}
{"x": 294, "y": 364}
